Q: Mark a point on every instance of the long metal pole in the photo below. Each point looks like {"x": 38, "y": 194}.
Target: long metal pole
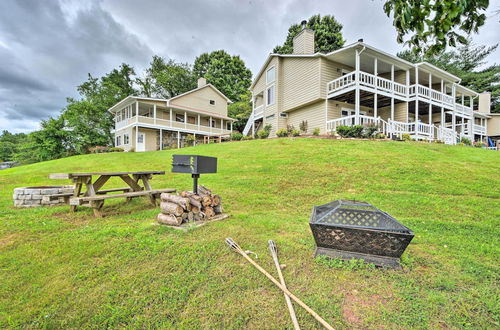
{"x": 274, "y": 253}
{"x": 233, "y": 245}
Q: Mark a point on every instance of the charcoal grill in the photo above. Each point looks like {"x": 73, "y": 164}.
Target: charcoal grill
{"x": 195, "y": 165}
{"x": 349, "y": 229}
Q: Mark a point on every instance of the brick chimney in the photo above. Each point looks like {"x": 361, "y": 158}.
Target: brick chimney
{"x": 484, "y": 105}
{"x": 201, "y": 82}
{"x": 303, "y": 43}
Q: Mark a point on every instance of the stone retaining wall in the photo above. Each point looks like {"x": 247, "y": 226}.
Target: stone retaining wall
{"x": 39, "y": 196}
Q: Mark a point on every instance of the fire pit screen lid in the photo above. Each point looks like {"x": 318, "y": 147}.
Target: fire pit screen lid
{"x": 351, "y": 213}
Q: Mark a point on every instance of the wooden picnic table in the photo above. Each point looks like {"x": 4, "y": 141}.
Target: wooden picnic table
{"x": 94, "y": 196}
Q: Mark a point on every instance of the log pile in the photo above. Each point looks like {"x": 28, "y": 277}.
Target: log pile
{"x": 189, "y": 207}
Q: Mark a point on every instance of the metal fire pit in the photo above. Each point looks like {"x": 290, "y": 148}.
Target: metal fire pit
{"x": 352, "y": 229}
{"x": 195, "y": 165}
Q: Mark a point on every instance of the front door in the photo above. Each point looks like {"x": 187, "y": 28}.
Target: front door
{"x": 141, "y": 145}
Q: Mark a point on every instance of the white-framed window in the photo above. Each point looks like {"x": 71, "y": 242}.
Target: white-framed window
{"x": 283, "y": 115}
{"x": 126, "y": 139}
{"x": 212, "y": 102}
{"x": 270, "y": 95}
{"x": 119, "y": 140}
{"x": 179, "y": 117}
{"x": 270, "y": 75}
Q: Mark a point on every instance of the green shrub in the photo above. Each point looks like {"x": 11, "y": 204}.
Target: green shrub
{"x": 98, "y": 149}
{"x": 355, "y": 131}
{"x": 369, "y": 131}
{"x": 295, "y": 132}
{"x": 289, "y": 129}
{"x": 190, "y": 139}
{"x": 406, "y": 137}
{"x": 116, "y": 149}
{"x": 479, "y": 144}
{"x": 262, "y": 134}
{"x": 282, "y": 132}
{"x": 248, "y": 137}
{"x": 466, "y": 141}
{"x": 303, "y": 126}
{"x": 316, "y": 131}
{"x": 236, "y": 136}
{"x": 379, "y": 135}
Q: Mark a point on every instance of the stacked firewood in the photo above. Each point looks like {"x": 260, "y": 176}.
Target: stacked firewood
{"x": 189, "y": 207}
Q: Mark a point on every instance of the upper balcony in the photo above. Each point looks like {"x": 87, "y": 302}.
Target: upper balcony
{"x": 376, "y": 84}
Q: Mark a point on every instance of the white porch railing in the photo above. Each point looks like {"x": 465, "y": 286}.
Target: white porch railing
{"x": 342, "y": 82}
{"x": 258, "y": 111}
{"x": 462, "y": 109}
{"x": 382, "y": 84}
{"x": 416, "y": 129}
{"x": 332, "y": 125}
{"x": 479, "y": 130}
{"x": 447, "y": 135}
{"x": 430, "y": 94}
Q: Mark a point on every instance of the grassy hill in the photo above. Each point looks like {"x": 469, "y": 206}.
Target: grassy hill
{"x": 72, "y": 270}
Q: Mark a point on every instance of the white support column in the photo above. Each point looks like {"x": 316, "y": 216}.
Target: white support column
{"x": 222, "y": 125}
{"x": 392, "y": 91}
{"x": 253, "y": 128}
{"x": 194, "y": 142}
{"x": 185, "y": 119}
{"x": 199, "y": 122}
{"x": 442, "y": 108}
{"x": 453, "y": 116}
{"x": 136, "y": 111}
{"x": 178, "y": 139}
{"x": 154, "y": 113}
{"x": 171, "y": 118}
{"x": 357, "y": 100}
{"x": 471, "y": 103}
{"x": 430, "y": 99}
{"x": 407, "y": 95}
{"x": 416, "y": 94}
{"x": 210, "y": 125}
{"x": 136, "y": 136}
{"x": 375, "y": 95}
{"x": 161, "y": 139}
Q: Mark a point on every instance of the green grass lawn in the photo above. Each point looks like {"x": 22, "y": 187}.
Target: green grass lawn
{"x": 72, "y": 270}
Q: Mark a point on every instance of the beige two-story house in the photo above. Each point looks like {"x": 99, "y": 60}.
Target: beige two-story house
{"x": 147, "y": 124}
{"x": 359, "y": 84}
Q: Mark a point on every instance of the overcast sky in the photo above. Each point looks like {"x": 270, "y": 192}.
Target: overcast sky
{"x": 47, "y": 48}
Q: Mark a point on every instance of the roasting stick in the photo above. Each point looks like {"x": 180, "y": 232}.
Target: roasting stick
{"x": 233, "y": 245}
{"x": 274, "y": 253}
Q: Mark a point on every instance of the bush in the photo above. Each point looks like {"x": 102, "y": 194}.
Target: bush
{"x": 98, "y": 149}
{"x": 379, "y": 135}
{"x": 406, "y": 137}
{"x": 316, "y": 131}
{"x": 190, "y": 139}
{"x": 116, "y": 149}
{"x": 236, "y": 136}
{"x": 466, "y": 141}
{"x": 479, "y": 144}
{"x": 289, "y": 129}
{"x": 295, "y": 132}
{"x": 369, "y": 131}
{"x": 268, "y": 128}
{"x": 355, "y": 131}
{"x": 248, "y": 137}
{"x": 262, "y": 134}
{"x": 282, "y": 132}
{"x": 303, "y": 126}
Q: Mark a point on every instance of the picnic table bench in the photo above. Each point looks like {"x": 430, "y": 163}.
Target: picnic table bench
{"x": 94, "y": 196}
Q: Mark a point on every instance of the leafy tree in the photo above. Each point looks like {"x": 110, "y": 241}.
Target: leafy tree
{"x": 241, "y": 111}
{"x": 327, "y": 35}
{"x": 227, "y": 73}
{"x": 166, "y": 79}
{"x": 9, "y": 145}
{"x": 466, "y": 62}
{"x": 50, "y": 142}
{"x": 433, "y": 24}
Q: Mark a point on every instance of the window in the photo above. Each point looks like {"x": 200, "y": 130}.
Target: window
{"x": 125, "y": 139}
{"x": 270, "y": 95}
{"x": 118, "y": 140}
{"x": 179, "y": 118}
{"x": 212, "y": 102}
{"x": 270, "y": 75}
{"x": 140, "y": 138}
{"x": 283, "y": 115}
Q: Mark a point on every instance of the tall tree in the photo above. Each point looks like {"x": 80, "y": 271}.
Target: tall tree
{"x": 430, "y": 25}
{"x": 468, "y": 63}
{"x": 241, "y": 111}
{"x": 9, "y": 145}
{"x": 327, "y": 35}
{"x": 227, "y": 73}
{"x": 166, "y": 79}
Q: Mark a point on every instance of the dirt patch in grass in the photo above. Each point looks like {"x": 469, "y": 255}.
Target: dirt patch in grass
{"x": 355, "y": 305}
{"x": 8, "y": 240}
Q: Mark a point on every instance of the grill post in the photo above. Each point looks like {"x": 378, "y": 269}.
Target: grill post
{"x": 195, "y": 183}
